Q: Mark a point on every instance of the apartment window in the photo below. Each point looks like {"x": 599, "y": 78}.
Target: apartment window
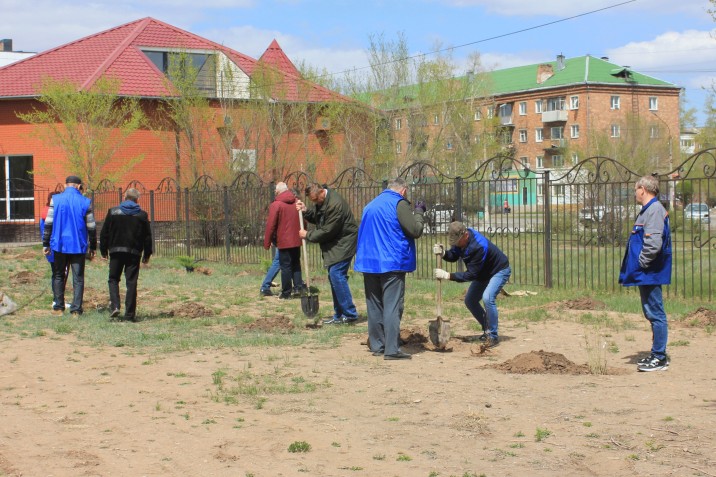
{"x": 558, "y": 161}
{"x": 538, "y": 106}
{"x": 574, "y": 131}
{"x": 478, "y": 115}
{"x": 653, "y": 103}
{"x": 523, "y": 108}
{"x": 574, "y": 102}
{"x": 540, "y": 189}
{"x": 555, "y": 104}
{"x": 490, "y": 112}
{"x": 398, "y": 147}
{"x": 616, "y": 130}
{"x": 556, "y": 132}
{"x": 398, "y": 124}
{"x": 449, "y": 145}
{"x": 436, "y": 119}
{"x": 538, "y": 135}
{"x": 575, "y": 158}
{"x": 540, "y": 162}
{"x": 17, "y": 197}
{"x": 525, "y": 162}
{"x": 478, "y": 138}
{"x": 523, "y": 135}
{"x": 615, "y": 103}
{"x": 559, "y": 190}
{"x": 653, "y": 132}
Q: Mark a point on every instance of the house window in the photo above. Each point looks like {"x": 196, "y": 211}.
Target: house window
{"x": 653, "y": 103}
{"x": 490, "y": 112}
{"x": 574, "y": 131}
{"x": 525, "y": 162}
{"x": 478, "y": 138}
{"x": 436, "y": 119}
{"x": 17, "y": 197}
{"x": 555, "y": 104}
{"x": 478, "y": 115}
{"x": 556, "y": 132}
{"x": 398, "y": 147}
{"x": 575, "y": 158}
{"x": 574, "y": 102}
{"x": 243, "y": 160}
{"x": 538, "y": 135}
{"x": 540, "y": 189}
{"x": 523, "y": 135}
{"x": 183, "y": 65}
{"x": 653, "y": 132}
{"x": 615, "y": 103}
{"x": 540, "y": 162}
{"x": 616, "y": 130}
{"x": 538, "y": 106}
{"x": 398, "y": 124}
{"x": 559, "y": 190}
{"x": 523, "y": 108}
{"x": 558, "y": 161}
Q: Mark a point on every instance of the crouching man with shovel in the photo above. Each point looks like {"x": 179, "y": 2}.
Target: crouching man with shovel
{"x": 487, "y": 268}
{"x": 386, "y": 252}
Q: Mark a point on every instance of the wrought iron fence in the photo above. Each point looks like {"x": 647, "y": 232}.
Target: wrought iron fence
{"x": 565, "y": 229}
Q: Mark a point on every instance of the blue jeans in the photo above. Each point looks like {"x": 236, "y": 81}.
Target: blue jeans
{"x": 487, "y": 292}
{"x": 384, "y": 299}
{"x": 271, "y": 273}
{"x": 652, "y": 304}
{"x": 342, "y": 298}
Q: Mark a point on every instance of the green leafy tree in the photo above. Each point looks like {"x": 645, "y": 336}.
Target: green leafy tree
{"x": 91, "y": 126}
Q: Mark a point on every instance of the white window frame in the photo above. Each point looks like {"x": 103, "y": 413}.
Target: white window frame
{"x": 615, "y": 103}
{"x": 539, "y": 134}
{"x": 525, "y": 162}
{"x": 558, "y": 158}
{"x": 653, "y": 103}
{"x": 556, "y": 132}
{"x": 616, "y": 130}
{"x": 398, "y": 124}
{"x": 560, "y": 190}
{"x": 574, "y": 102}
{"x": 490, "y": 112}
{"x": 398, "y": 147}
{"x": 523, "y": 108}
{"x": 478, "y": 115}
{"x": 575, "y": 158}
{"x": 523, "y": 135}
{"x": 539, "y": 162}
{"x": 556, "y": 103}
{"x": 538, "y": 106}
{"x": 574, "y": 131}
{"x": 436, "y": 119}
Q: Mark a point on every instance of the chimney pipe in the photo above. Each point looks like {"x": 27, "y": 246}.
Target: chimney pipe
{"x": 605, "y": 58}
{"x": 560, "y": 62}
{"x": 6, "y": 45}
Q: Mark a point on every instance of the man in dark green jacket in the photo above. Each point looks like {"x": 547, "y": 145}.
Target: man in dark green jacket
{"x": 337, "y": 233}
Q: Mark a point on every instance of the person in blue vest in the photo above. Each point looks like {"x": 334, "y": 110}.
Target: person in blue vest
{"x": 488, "y": 268}
{"x": 70, "y": 230}
{"x": 386, "y": 252}
{"x": 647, "y": 265}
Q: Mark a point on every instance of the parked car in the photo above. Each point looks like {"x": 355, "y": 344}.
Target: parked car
{"x": 592, "y": 214}
{"x": 438, "y": 218}
{"x": 697, "y": 211}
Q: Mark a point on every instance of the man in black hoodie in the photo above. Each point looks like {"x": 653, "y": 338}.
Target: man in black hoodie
{"x": 125, "y": 236}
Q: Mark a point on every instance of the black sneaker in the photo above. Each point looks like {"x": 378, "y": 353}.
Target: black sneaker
{"x": 283, "y": 296}
{"x": 334, "y": 321}
{"x": 655, "y": 364}
{"x": 649, "y": 358}
{"x": 266, "y": 292}
{"x": 115, "y": 313}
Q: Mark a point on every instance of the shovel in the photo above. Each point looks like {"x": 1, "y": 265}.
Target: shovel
{"x": 309, "y": 300}
{"x": 440, "y": 327}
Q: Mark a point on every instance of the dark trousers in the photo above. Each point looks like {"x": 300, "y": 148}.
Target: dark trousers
{"x": 384, "y": 297}
{"x": 290, "y": 261}
{"x": 130, "y": 264}
{"x": 76, "y": 262}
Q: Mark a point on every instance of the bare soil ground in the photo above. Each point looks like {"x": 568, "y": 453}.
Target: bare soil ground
{"x": 528, "y": 407}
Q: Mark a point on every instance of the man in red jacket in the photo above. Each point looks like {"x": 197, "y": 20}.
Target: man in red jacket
{"x": 282, "y": 227}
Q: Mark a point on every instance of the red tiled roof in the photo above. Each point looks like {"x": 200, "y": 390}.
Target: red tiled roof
{"x": 117, "y": 53}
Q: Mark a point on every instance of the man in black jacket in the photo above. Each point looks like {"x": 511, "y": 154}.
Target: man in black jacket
{"x": 125, "y": 236}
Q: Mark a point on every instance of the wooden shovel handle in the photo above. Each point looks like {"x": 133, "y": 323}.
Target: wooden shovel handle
{"x": 440, "y": 289}
{"x": 305, "y": 253}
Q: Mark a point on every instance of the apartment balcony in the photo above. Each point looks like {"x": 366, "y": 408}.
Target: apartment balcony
{"x": 506, "y": 121}
{"x": 554, "y": 116}
{"x": 556, "y": 145}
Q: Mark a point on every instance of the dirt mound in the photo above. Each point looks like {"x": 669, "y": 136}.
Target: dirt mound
{"x": 700, "y": 317}
{"x": 192, "y": 310}
{"x": 412, "y": 336}
{"x": 24, "y": 278}
{"x": 277, "y": 323}
{"x": 541, "y": 362}
{"x": 581, "y": 304}
{"x": 28, "y": 255}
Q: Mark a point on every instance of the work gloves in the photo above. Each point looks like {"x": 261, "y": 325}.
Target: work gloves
{"x": 439, "y": 249}
{"x": 441, "y": 274}
{"x": 420, "y": 207}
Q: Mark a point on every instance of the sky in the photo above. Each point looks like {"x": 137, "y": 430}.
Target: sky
{"x": 672, "y": 40}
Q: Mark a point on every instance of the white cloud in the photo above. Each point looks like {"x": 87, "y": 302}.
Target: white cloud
{"x": 690, "y": 50}
{"x": 563, "y": 8}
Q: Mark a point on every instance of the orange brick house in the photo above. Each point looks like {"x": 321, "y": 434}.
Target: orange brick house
{"x": 137, "y": 54}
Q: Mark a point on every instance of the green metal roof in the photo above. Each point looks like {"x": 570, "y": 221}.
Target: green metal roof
{"x": 576, "y": 71}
